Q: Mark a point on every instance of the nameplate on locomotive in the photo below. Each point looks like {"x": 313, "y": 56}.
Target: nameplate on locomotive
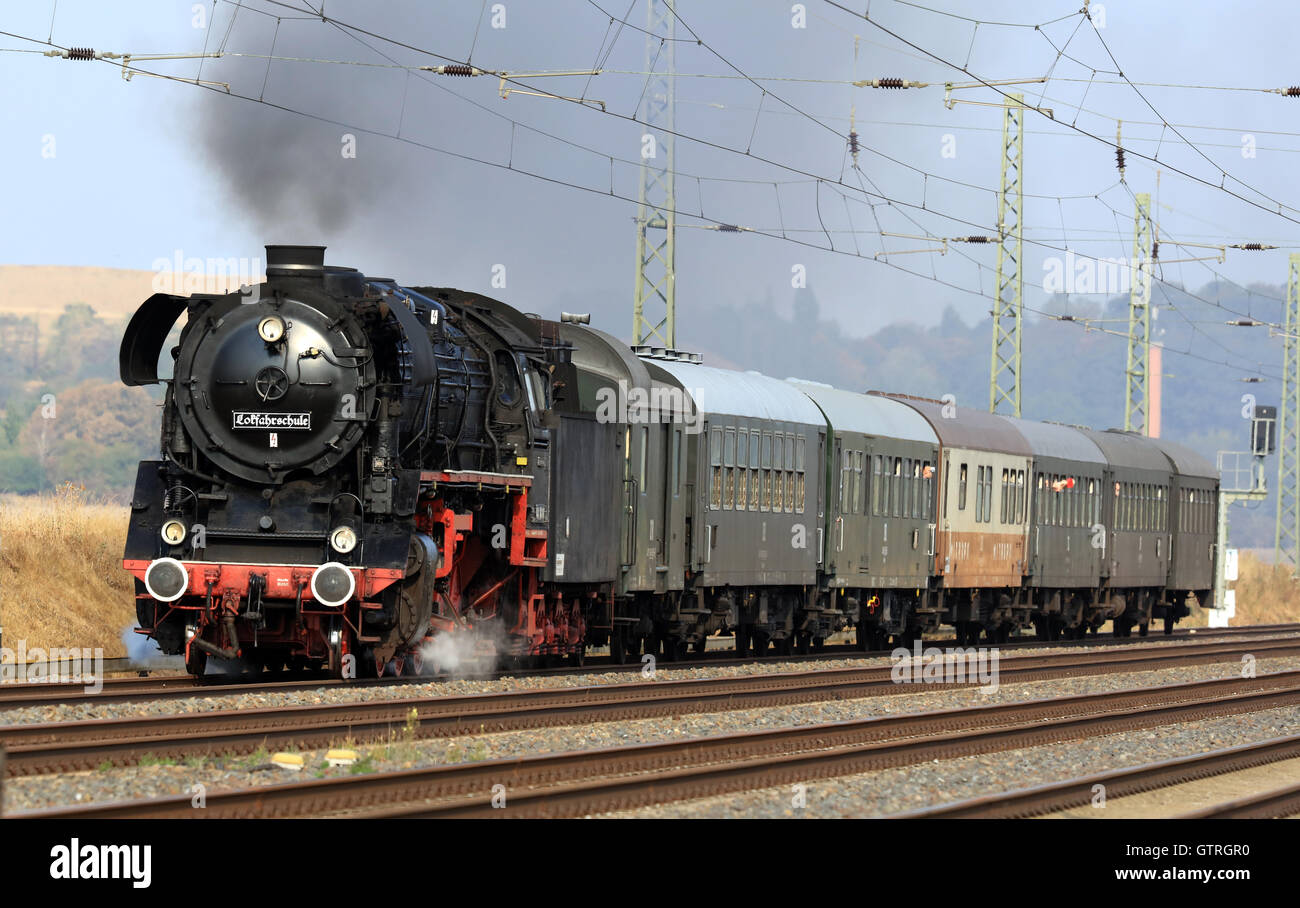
{"x": 247, "y": 420}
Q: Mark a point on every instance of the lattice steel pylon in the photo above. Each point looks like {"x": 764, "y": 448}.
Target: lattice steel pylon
{"x": 1004, "y": 368}
{"x": 656, "y": 271}
{"x": 1286, "y": 536}
{"x": 1138, "y": 366}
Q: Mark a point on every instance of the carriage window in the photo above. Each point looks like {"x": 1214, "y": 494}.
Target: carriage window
{"x": 729, "y": 448}
{"x": 916, "y": 489}
{"x": 846, "y": 483}
{"x": 645, "y": 446}
{"x": 798, "y": 475}
{"x": 789, "y": 452}
{"x": 777, "y": 478}
{"x": 900, "y": 488}
{"x": 857, "y": 482}
{"x": 988, "y": 494}
{"x": 1021, "y": 495}
{"x": 715, "y": 448}
{"x": 875, "y": 484}
{"x": 961, "y": 489}
{"x": 677, "y": 462}
{"x": 979, "y": 495}
{"x": 1002, "y": 497}
{"x": 742, "y": 448}
{"x": 927, "y": 478}
{"x": 742, "y": 482}
{"x": 905, "y": 486}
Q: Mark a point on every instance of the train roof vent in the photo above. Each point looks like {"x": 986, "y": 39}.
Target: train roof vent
{"x": 897, "y": 396}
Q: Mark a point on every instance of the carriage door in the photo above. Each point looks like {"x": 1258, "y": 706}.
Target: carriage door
{"x": 871, "y": 479}
{"x": 649, "y": 483}
{"x": 629, "y": 499}
{"x": 836, "y": 542}
{"x": 819, "y": 485}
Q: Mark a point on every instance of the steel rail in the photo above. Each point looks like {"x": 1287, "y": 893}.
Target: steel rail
{"x": 591, "y": 782}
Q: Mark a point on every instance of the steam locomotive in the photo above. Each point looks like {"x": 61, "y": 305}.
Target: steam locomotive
{"x": 352, "y": 470}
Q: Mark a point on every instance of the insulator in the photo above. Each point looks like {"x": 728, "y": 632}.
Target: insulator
{"x": 974, "y": 239}
{"x": 853, "y": 142}
{"x": 457, "y": 69}
{"x": 1155, "y": 250}
{"x": 1252, "y": 246}
{"x": 889, "y": 83}
{"x": 81, "y": 53}
{"x": 1292, "y": 92}
{"x": 728, "y": 228}
{"x": 1119, "y": 159}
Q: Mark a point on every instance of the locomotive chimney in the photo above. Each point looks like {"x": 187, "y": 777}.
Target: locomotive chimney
{"x": 295, "y": 261}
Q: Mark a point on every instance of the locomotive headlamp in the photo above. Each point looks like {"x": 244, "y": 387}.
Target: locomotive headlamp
{"x": 343, "y": 539}
{"x": 271, "y": 329}
{"x": 173, "y": 532}
{"x": 332, "y": 584}
{"x": 166, "y": 580}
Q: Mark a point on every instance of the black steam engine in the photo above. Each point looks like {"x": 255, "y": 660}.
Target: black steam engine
{"x": 346, "y": 466}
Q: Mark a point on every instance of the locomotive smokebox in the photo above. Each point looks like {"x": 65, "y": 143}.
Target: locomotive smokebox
{"x": 295, "y": 261}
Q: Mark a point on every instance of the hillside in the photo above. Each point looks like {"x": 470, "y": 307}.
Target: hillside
{"x": 61, "y": 326}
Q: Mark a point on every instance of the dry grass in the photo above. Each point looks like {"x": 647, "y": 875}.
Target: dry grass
{"x": 61, "y": 577}
{"x": 62, "y": 583}
{"x": 1266, "y": 593}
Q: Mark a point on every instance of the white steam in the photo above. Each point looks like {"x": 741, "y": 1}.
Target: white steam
{"x": 144, "y": 653}
{"x": 465, "y": 653}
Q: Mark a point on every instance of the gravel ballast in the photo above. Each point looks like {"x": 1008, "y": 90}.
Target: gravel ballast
{"x": 70, "y": 712}
{"x": 912, "y": 788}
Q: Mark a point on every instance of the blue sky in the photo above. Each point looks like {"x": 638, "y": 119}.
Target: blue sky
{"x": 144, "y": 167}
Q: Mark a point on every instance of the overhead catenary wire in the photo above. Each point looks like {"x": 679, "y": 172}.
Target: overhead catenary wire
{"x": 884, "y": 199}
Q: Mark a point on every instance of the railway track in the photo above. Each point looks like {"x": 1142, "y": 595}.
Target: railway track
{"x": 1057, "y": 796}
{"x": 69, "y": 746}
{"x": 600, "y": 781}
{"x": 177, "y": 687}
{"x": 1268, "y": 805}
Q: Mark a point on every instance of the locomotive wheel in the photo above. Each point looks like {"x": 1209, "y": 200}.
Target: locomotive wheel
{"x": 1143, "y": 629}
{"x": 1169, "y": 626}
